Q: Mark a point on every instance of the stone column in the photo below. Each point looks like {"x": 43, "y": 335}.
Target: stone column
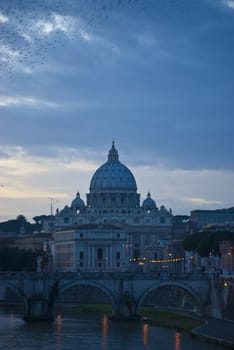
{"x": 111, "y": 258}
{"x": 93, "y": 258}
{"x": 106, "y": 257}
{"x": 89, "y": 256}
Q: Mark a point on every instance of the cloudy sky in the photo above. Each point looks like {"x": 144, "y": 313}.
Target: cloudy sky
{"x": 154, "y": 75}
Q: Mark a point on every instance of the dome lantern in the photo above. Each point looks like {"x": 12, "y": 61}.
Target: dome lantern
{"x": 113, "y": 155}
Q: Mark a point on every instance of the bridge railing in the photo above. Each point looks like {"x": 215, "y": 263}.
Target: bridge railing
{"x": 10, "y": 275}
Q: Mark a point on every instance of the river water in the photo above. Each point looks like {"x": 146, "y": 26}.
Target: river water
{"x": 70, "y": 333}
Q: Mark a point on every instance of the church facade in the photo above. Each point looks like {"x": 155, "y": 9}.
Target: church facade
{"x": 113, "y": 230}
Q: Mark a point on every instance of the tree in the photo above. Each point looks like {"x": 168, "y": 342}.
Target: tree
{"x": 40, "y": 218}
{"x": 14, "y": 259}
{"x": 20, "y": 223}
{"x": 191, "y": 242}
{"x": 206, "y": 242}
{"x": 21, "y": 219}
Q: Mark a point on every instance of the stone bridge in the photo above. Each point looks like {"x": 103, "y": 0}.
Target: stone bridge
{"x": 126, "y": 292}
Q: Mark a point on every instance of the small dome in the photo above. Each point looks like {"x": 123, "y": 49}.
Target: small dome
{"x": 148, "y": 203}
{"x": 65, "y": 211}
{"x": 113, "y": 176}
{"x": 78, "y": 203}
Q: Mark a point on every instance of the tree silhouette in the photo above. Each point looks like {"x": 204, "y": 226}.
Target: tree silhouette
{"x": 14, "y": 259}
{"x": 206, "y": 242}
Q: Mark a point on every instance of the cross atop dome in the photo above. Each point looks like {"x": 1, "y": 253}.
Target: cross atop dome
{"x": 113, "y": 155}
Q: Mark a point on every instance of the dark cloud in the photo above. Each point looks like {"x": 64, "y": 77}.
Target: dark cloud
{"x": 156, "y": 76}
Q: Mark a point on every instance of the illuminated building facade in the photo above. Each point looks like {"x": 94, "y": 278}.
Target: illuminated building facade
{"x": 113, "y": 228}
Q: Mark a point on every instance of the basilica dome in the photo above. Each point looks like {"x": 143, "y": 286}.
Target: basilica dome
{"x": 77, "y": 203}
{"x": 113, "y": 176}
{"x": 148, "y": 203}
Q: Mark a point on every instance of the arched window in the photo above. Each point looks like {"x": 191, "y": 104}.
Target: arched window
{"x": 99, "y": 254}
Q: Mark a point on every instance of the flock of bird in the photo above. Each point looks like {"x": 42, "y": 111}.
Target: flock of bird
{"x": 28, "y": 30}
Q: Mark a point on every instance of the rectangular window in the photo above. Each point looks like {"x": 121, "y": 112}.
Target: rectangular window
{"x": 117, "y": 255}
{"x": 81, "y": 255}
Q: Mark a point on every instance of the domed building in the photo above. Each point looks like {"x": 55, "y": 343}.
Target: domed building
{"x": 112, "y": 229}
{"x": 149, "y": 203}
{"x": 113, "y": 185}
{"x": 77, "y": 205}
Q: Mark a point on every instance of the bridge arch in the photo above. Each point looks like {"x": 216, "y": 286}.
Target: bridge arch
{"x": 110, "y": 295}
{"x": 197, "y": 299}
{"x": 18, "y": 291}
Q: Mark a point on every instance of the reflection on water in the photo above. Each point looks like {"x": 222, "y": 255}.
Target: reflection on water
{"x": 87, "y": 333}
{"x": 11, "y": 329}
{"x": 177, "y": 340}
{"x": 59, "y": 332}
{"x": 104, "y": 332}
{"x": 145, "y": 330}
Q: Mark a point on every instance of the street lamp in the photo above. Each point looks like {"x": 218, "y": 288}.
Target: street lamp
{"x": 230, "y": 267}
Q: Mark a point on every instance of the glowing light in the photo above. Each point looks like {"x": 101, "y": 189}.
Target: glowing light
{"x": 177, "y": 341}
{"x": 166, "y": 260}
{"x": 104, "y": 332}
{"x": 59, "y": 332}
{"x": 145, "y": 334}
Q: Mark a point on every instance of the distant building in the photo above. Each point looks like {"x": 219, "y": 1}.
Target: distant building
{"x": 33, "y": 242}
{"x": 7, "y": 240}
{"x": 202, "y": 218}
{"x": 113, "y": 228}
{"x": 91, "y": 247}
{"x": 227, "y": 256}
{"x": 180, "y": 226}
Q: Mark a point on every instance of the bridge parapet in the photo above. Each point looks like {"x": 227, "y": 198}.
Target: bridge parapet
{"x": 7, "y": 275}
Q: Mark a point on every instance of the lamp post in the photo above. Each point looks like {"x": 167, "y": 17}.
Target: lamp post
{"x": 191, "y": 262}
{"x": 170, "y": 267}
{"x": 127, "y": 247}
{"x": 230, "y": 267}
